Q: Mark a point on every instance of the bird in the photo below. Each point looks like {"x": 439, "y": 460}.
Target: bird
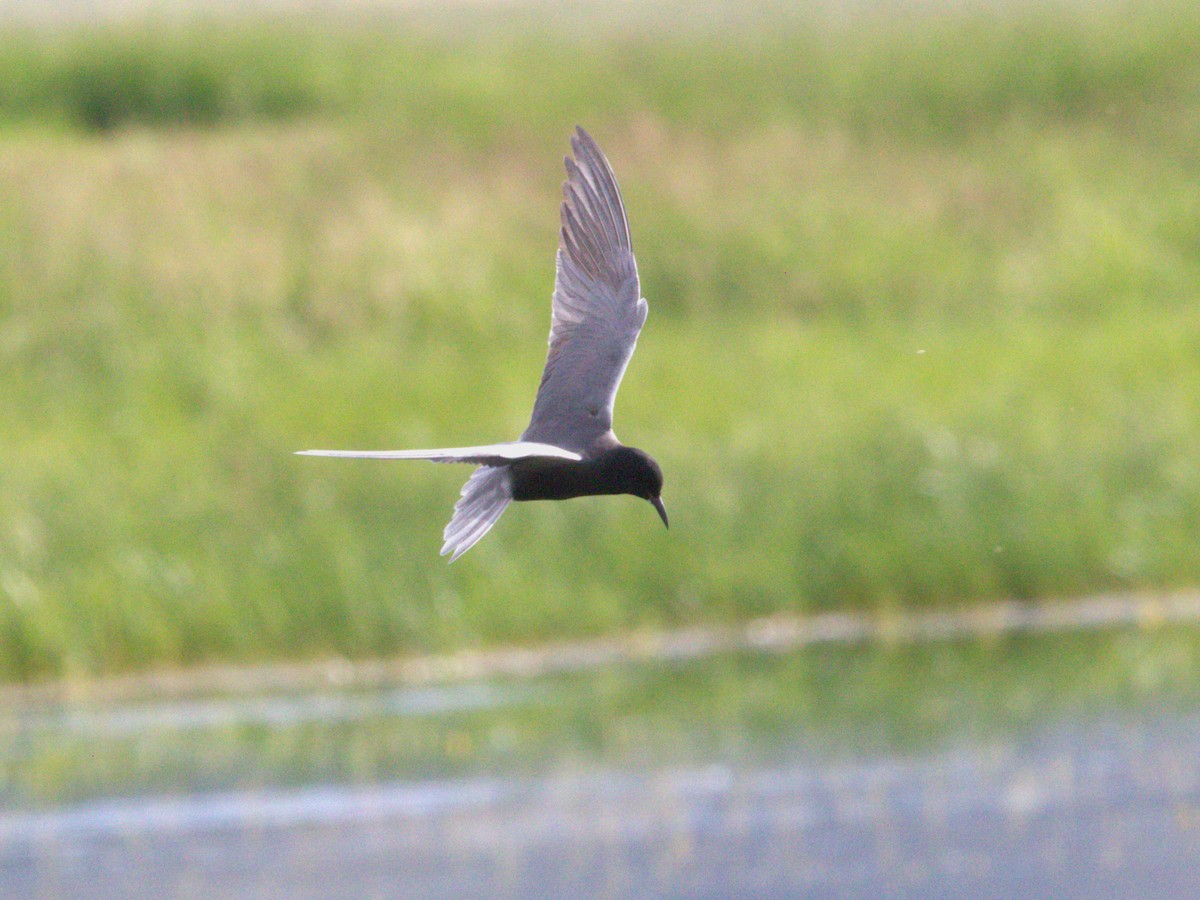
{"x": 597, "y": 312}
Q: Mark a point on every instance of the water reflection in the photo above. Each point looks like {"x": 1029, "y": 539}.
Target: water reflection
{"x": 271, "y": 711}
{"x": 1019, "y": 760}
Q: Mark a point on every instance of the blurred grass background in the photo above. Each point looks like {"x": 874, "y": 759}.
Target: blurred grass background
{"x": 925, "y": 328}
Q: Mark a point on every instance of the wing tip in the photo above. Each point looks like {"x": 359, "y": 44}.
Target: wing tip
{"x": 593, "y": 214}
{"x": 583, "y": 144}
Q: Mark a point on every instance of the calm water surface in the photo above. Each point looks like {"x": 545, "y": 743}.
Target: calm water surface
{"x": 1035, "y": 765}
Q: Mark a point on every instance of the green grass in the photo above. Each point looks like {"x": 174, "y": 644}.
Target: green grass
{"x": 925, "y": 322}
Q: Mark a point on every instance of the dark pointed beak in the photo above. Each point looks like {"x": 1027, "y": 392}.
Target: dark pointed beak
{"x": 662, "y": 510}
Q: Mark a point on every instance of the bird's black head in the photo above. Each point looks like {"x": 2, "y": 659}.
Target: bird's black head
{"x": 639, "y": 475}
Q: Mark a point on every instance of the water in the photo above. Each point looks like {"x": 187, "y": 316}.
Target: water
{"x": 1064, "y": 764}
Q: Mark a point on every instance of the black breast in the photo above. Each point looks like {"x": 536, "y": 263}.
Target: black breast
{"x": 558, "y": 479}
{"x": 618, "y": 470}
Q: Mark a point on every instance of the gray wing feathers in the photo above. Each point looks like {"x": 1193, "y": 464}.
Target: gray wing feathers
{"x": 484, "y": 497}
{"x": 597, "y": 311}
{"x": 485, "y": 454}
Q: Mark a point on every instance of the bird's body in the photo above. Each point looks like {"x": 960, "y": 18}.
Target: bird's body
{"x": 569, "y": 449}
{"x": 614, "y": 471}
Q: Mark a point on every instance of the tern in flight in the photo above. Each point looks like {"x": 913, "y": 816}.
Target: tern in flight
{"x": 569, "y": 449}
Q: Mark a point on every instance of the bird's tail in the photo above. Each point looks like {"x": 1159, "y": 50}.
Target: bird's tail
{"x": 485, "y": 495}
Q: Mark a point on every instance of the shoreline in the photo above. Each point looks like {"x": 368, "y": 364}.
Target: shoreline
{"x": 769, "y": 634}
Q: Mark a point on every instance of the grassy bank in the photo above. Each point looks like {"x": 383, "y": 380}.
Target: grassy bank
{"x": 925, "y": 322}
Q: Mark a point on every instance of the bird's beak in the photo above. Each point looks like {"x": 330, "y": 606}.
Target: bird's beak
{"x": 662, "y": 510}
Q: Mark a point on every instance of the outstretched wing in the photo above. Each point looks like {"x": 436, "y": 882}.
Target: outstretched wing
{"x": 484, "y": 497}
{"x": 486, "y": 454}
{"x": 597, "y": 311}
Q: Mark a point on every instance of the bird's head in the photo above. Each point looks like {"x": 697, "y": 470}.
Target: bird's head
{"x": 641, "y": 476}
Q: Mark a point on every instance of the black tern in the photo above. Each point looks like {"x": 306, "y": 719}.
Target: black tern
{"x": 569, "y": 449}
